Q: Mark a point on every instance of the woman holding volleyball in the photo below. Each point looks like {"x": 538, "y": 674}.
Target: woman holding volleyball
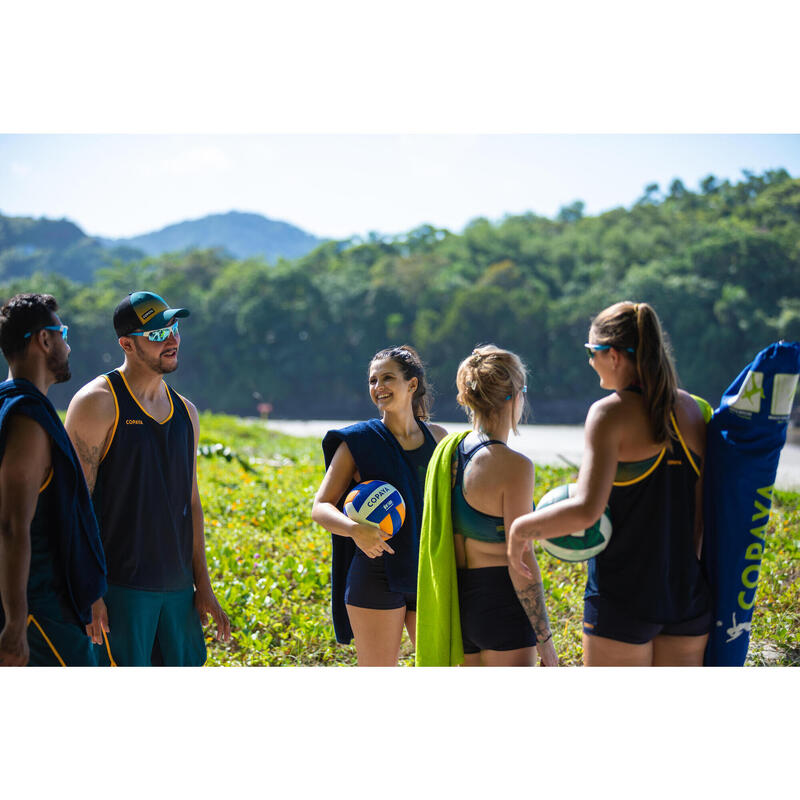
{"x": 646, "y": 600}
{"x": 477, "y": 486}
{"x": 374, "y": 581}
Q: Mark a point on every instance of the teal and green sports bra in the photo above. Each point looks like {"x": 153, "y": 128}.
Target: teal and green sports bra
{"x": 468, "y": 521}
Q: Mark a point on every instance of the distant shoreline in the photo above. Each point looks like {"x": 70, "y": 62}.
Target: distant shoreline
{"x": 543, "y": 444}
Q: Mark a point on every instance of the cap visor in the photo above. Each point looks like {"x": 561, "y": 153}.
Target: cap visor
{"x": 164, "y": 318}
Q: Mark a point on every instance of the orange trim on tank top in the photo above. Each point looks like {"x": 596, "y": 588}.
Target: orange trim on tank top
{"x": 47, "y": 481}
{"x": 642, "y": 477}
{"x": 116, "y": 418}
{"x": 685, "y": 448}
{"x": 135, "y": 400}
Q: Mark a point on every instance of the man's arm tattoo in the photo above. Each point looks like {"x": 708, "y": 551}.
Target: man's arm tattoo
{"x": 532, "y": 599}
{"x": 90, "y": 459}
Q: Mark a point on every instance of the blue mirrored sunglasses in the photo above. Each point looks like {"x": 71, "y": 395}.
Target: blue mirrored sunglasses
{"x": 524, "y": 391}
{"x": 591, "y": 349}
{"x": 62, "y": 328}
{"x": 158, "y": 335}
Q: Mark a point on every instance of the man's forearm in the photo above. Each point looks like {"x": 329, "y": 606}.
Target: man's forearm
{"x": 15, "y": 564}
{"x": 199, "y": 562}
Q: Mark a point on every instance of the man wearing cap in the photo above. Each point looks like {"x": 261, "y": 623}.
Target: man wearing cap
{"x": 52, "y": 567}
{"x": 137, "y": 441}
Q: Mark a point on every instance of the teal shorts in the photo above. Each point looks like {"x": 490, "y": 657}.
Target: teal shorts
{"x": 152, "y": 629}
{"x": 57, "y": 639}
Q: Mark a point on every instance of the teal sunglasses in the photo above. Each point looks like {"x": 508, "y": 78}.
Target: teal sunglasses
{"x": 61, "y": 328}
{"x": 591, "y": 349}
{"x": 158, "y": 335}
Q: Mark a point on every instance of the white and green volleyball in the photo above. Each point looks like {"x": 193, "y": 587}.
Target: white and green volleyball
{"x": 581, "y": 545}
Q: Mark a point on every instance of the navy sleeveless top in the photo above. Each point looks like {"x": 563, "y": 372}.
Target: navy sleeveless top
{"x": 650, "y": 566}
{"x": 44, "y": 580}
{"x": 468, "y": 521}
{"x": 378, "y": 455}
{"x": 143, "y": 494}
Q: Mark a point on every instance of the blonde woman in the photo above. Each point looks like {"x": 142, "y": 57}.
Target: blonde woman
{"x": 646, "y": 601}
{"x": 503, "y": 619}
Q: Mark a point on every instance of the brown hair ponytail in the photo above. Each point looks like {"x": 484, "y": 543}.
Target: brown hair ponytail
{"x": 636, "y": 326}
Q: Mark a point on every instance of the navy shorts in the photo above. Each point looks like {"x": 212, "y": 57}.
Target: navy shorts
{"x": 492, "y": 618}
{"x": 368, "y": 586}
{"x": 601, "y": 617}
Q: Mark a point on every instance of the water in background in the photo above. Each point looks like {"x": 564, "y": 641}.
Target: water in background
{"x": 543, "y": 444}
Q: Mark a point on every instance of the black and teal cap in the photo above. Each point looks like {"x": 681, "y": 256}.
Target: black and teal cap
{"x": 144, "y": 311}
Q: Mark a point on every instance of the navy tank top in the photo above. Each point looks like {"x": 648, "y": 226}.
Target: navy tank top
{"x": 419, "y": 457}
{"x": 650, "y": 566}
{"x": 45, "y": 580}
{"x": 468, "y": 521}
{"x": 143, "y": 494}
{"x": 46, "y": 590}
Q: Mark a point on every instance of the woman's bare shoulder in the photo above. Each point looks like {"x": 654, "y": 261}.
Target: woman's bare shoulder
{"x": 437, "y": 431}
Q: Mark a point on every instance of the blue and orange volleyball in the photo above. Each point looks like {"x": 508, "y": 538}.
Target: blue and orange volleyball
{"x": 377, "y": 503}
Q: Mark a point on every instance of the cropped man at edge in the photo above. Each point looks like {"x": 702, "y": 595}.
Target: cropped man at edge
{"x": 137, "y": 441}
{"x": 51, "y": 561}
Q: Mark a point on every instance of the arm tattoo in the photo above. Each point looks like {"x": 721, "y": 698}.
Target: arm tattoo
{"x": 90, "y": 458}
{"x": 532, "y": 599}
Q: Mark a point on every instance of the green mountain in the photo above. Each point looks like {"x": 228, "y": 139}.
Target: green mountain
{"x": 240, "y": 234}
{"x": 30, "y": 245}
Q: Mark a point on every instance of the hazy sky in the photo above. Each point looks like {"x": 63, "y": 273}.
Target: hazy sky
{"x": 341, "y": 185}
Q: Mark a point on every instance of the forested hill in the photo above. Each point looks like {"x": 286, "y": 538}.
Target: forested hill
{"x": 241, "y": 235}
{"x": 721, "y": 266}
{"x": 30, "y": 245}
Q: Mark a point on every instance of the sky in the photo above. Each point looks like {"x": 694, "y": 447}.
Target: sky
{"x": 340, "y": 185}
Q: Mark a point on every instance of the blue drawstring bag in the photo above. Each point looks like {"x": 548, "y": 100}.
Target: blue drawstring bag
{"x": 745, "y": 438}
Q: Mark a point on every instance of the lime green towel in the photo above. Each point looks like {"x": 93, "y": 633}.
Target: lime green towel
{"x": 438, "y": 622}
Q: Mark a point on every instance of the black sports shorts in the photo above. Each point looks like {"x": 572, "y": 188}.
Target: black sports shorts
{"x": 492, "y": 617}
{"x": 368, "y": 586}
{"x": 601, "y": 617}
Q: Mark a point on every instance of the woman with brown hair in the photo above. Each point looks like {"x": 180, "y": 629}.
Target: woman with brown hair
{"x": 374, "y": 582}
{"x": 646, "y": 600}
{"x": 502, "y": 615}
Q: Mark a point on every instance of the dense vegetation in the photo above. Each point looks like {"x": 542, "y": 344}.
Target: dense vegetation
{"x": 29, "y": 246}
{"x": 270, "y": 564}
{"x": 720, "y": 265}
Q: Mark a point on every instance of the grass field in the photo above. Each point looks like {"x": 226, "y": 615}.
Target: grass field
{"x": 270, "y": 564}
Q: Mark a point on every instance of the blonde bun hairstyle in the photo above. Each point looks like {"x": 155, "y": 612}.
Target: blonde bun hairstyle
{"x": 487, "y": 379}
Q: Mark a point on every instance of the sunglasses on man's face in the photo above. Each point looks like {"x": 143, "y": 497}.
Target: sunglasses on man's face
{"x": 61, "y": 328}
{"x": 591, "y": 349}
{"x": 158, "y": 335}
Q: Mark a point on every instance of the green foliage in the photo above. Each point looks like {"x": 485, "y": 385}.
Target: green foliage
{"x": 720, "y": 265}
{"x": 270, "y": 564}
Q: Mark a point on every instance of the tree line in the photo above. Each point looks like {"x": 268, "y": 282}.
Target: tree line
{"x": 720, "y": 265}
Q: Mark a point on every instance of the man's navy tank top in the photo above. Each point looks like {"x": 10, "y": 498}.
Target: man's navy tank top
{"x": 47, "y": 590}
{"x": 143, "y": 494}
